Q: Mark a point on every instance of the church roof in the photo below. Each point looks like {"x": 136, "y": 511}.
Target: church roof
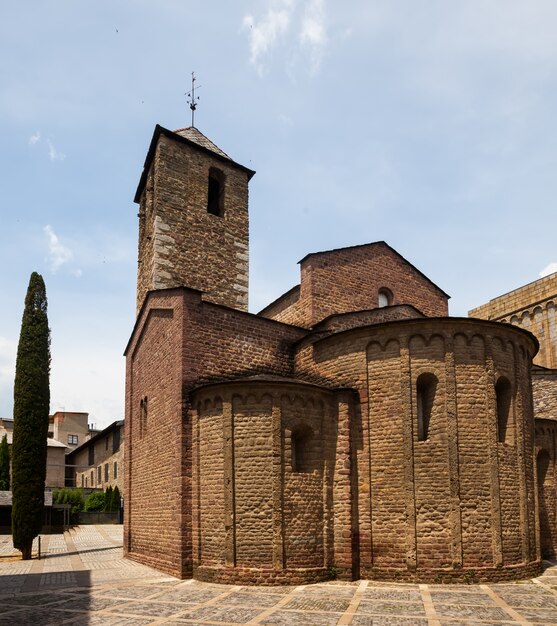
{"x": 195, "y": 135}
{"x": 191, "y": 136}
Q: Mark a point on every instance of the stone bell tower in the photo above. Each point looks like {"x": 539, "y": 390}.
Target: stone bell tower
{"x": 193, "y": 219}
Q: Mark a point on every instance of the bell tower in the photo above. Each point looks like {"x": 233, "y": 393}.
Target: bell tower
{"x": 193, "y": 219}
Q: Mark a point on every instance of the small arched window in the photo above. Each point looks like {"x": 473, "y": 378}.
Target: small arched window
{"x": 426, "y": 387}
{"x": 384, "y": 298}
{"x": 301, "y": 449}
{"x": 215, "y": 192}
{"x": 503, "y": 395}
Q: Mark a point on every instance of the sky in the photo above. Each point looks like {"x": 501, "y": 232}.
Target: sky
{"x": 430, "y": 125}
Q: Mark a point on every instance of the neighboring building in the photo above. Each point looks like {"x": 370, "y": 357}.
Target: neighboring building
{"x": 55, "y": 456}
{"x": 351, "y": 425}
{"x": 532, "y": 307}
{"x": 98, "y": 463}
{"x": 71, "y": 428}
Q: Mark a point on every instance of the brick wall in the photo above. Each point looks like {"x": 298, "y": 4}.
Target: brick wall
{"x": 156, "y": 529}
{"x": 349, "y": 279}
{"x": 181, "y": 341}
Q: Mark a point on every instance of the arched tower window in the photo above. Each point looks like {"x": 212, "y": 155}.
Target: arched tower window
{"x": 503, "y": 395}
{"x": 384, "y": 297}
{"x": 301, "y": 449}
{"x": 426, "y": 387}
{"x": 215, "y": 192}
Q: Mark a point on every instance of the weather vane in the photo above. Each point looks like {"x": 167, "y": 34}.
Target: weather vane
{"x": 192, "y": 99}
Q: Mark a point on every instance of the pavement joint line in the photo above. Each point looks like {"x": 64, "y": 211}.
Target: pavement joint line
{"x": 537, "y": 581}
{"x": 354, "y": 603}
{"x": 105, "y": 535}
{"x": 430, "y": 612}
{"x": 283, "y": 601}
{"x": 503, "y": 605}
{"x": 76, "y": 563}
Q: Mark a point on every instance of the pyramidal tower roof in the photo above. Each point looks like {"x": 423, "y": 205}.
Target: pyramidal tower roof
{"x": 195, "y": 135}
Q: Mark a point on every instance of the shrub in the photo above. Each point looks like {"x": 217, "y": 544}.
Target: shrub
{"x": 71, "y": 496}
{"x": 95, "y": 501}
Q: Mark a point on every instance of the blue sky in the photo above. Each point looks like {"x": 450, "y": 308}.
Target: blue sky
{"x": 430, "y": 125}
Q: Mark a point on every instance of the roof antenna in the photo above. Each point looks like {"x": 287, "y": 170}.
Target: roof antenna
{"x": 192, "y": 98}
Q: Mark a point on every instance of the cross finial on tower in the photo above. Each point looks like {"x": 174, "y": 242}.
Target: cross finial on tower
{"x": 192, "y": 98}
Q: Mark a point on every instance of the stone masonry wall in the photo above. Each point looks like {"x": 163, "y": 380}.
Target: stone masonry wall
{"x": 180, "y": 242}
{"x": 349, "y": 279}
{"x": 531, "y": 307}
{"x": 460, "y": 503}
{"x": 544, "y": 387}
{"x": 111, "y": 464}
{"x": 260, "y": 514}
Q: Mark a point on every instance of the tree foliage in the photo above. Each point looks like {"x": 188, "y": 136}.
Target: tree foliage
{"x": 31, "y": 407}
{"x": 73, "y": 496}
{"x": 4, "y": 464}
{"x": 95, "y": 501}
{"x": 115, "y": 505}
{"x": 108, "y": 499}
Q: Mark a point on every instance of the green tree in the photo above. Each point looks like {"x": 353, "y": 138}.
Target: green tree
{"x": 31, "y": 406}
{"x": 108, "y": 499}
{"x": 4, "y": 464}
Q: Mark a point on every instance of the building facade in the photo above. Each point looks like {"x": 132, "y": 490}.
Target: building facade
{"x": 349, "y": 427}
{"x": 99, "y": 462}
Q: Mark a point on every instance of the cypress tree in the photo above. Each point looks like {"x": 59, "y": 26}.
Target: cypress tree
{"x": 31, "y": 407}
{"x": 108, "y": 499}
{"x": 115, "y": 499}
{"x": 4, "y": 464}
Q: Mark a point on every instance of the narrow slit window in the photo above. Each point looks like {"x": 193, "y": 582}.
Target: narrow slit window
{"x": 503, "y": 394}
{"x": 301, "y": 449}
{"x": 143, "y": 416}
{"x": 426, "y": 387}
{"x": 215, "y": 193}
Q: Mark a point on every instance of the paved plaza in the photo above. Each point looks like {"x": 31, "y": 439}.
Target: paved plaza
{"x": 83, "y": 579}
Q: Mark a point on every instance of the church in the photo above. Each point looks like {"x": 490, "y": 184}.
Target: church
{"x": 351, "y": 429}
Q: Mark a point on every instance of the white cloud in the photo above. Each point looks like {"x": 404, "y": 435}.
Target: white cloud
{"x": 549, "y": 269}
{"x": 264, "y": 34}
{"x": 53, "y": 153}
{"x": 58, "y": 254}
{"x": 34, "y": 138}
{"x": 302, "y": 30}
{"x": 313, "y": 34}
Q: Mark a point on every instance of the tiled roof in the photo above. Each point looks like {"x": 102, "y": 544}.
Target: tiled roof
{"x": 199, "y": 138}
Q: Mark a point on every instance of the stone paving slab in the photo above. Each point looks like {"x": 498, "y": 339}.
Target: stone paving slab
{"x": 83, "y": 580}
